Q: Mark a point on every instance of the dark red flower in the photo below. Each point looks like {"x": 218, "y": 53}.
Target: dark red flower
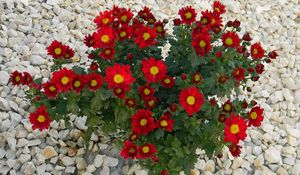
{"x": 164, "y": 172}
{"x": 153, "y": 70}
{"x": 142, "y": 122}
{"x": 260, "y": 68}
{"x": 177, "y": 22}
{"x": 147, "y": 151}
{"x": 227, "y": 107}
{"x": 26, "y": 78}
{"x": 235, "y": 129}
{"x": 89, "y": 41}
{"x": 231, "y": 39}
{"x": 188, "y": 15}
{"x": 146, "y": 91}
{"x": 129, "y": 150}
{"x": 40, "y": 119}
{"x": 130, "y": 102}
{"x": 104, "y": 19}
{"x": 104, "y": 38}
{"x": 223, "y": 79}
{"x": 236, "y": 23}
{"x": 160, "y": 28}
{"x": 125, "y": 16}
{"x": 69, "y": 53}
{"x": 168, "y": 82}
{"x": 16, "y": 78}
{"x": 50, "y": 90}
{"x": 257, "y": 52}
{"x": 79, "y": 83}
{"x": 222, "y": 117}
{"x": 247, "y": 37}
{"x": 219, "y": 54}
{"x": 94, "y": 81}
{"x": 107, "y": 53}
{"x": 238, "y": 74}
{"x": 94, "y": 66}
{"x": 273, "y": 54}
{"x": 173, "y": 107}
{"x": 145, "y": 36}
{"x": 197, "y": 78}
{"x": 235, "y": 150}
{"x": 120, "y": 92}
{"x": 218, "y": 7}
{"x": 201, "y": 43}
{"x": 56, "y": 49}
{"x": 145, "y": 13}
{"x": 124, "y": 32}
{"x": 150, "y": 102}
{"x": 255, "y": 116}
{"x": 165, "y": 123}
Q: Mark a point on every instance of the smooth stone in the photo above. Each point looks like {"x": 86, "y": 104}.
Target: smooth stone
{"x": 4, "y": 78}
{"x": 28, "y": 168}
{"x": 49, "y": 152}
{"x": 273, "y": 155}
{"x": 110, "y": 162}
{"x": 98, "y": 161}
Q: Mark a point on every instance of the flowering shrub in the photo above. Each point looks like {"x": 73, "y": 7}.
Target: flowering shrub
{"x": 162, "y": 108}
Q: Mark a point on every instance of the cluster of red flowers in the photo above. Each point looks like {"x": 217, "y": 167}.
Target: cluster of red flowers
{"x": 236, "y": 125}
{"x": 18, "y": 78}
{"x": 59, "y": 51}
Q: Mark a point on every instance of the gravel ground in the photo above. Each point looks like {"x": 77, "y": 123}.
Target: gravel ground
{"x": 28, "y": 26}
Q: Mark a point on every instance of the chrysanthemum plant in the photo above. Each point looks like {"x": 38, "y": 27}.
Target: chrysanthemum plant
{"x": 160, "y": 110}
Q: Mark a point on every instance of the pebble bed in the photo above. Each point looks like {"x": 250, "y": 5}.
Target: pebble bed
{"x": 27, "y": 27}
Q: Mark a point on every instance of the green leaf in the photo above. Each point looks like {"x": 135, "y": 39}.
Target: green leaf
{"x": 78, "y": 70}
{"x": 38, "y": 81}
{"x": 61, "y": 107}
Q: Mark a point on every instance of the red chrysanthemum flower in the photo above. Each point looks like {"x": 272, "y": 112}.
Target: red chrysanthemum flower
{"x": 56, "y": 49}
{"x": 191, "y": 100}
{"x": 146, "y": 91}
{"x": 206, "y": 17}
{"x": 124, "y": 32}
{"x": 130, "y": 102}
{"x": 145, "y": 36}
{"x": 63, "y": 79}
{"x": 69, "y": 53}
{"x": 235, "y": 129}
{"x": 227, "y": 107}
{"x": 145, "y": 13}
{"x": 150, "y": 102}
{"x": 119, "y": 76}
{"x": 104, "y": 19}
{"x": 255, "y": 116}
{"x": 257, "y": 52}
{"x": 188, "y": 15}
{"x": 94, "y": 81}
{"x": 40, "y": 119}
{"x": 273, "y": 54}
{"x": 231, "y": 39}
{"x": 116, "y": 10}
{"x": 164, "y": 172}
{"x": 235, "y": 150}
{"x": 104, "y": 38}
{"x": 218, "y": 7}
{"x": 16, "y": 78}
{"x": 151, "y": 19}
{"x": 166, "y": 123}
{"x": 153, "y": 70}
{"x": 120, "y": 92}
{"x": 129, "y": 150}
{"x": 238, "y": 73}
{"x": 197, "y": 78}
{"x": 142, "y": 122}
{"x": 107, "y": 53}
{"x": 147, "y": 151}
{"x": 50, "y": 90}
{"x": 125, "y": 16}
{"x": 167, "y": 82}
{"x": 201, "y": 43}
{"x": 215, "y": 20}
{"x": 260, "y": 68}
{"x": 160, "y": 28}
{"x": 223, "y": 79}
{"x": 26, "y": 78}
{"x": 89, "y": 40}
{"x": 79, "y": 83}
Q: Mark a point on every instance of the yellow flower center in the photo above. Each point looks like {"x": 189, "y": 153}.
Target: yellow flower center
{"x": 146, "y": 36}
{"x": 118, "y": 91}
{"x": 41, "y": 118}
{"x": 159, "y": 29}
{"x": 130, "y": 102}
{"x": 255, "y": 51}
{"x": 197, "y": 77}
{"x": 229, "y": 41}
{"x": 18, "y": 78}
{"x": 77, "y": 84}
{"x": 204, "y": 21}
{"x": 167, "y": 81}
{"x": 188, "y": 15}
{"x": 147, "y": 91}
{"x": 234, "y": 129}
{"x": 118, "y": 78}
{"x": 191, "y": 100}
{"x": 151, "y": 20}
{"x": 93, "y": 83}
{"x": 65, "y": 80}
{"x": 227, "y": 107}
{"x": 146, "y": 149}
{"x": 52, "y": 88}
{"x": 163, "y": 123}
{"x": 154, "y": 70}
{"x": 237, "y": 72}
{"x": 143, "y": 122}
{"x": 105, "y": 20}
{"x": 131, "y": 150}
{"x": 253, "y": 115}
{"x": 151, "y": 102}
{"x": 202, "y": 43}
{"x": 124, "y": 18}
{"x": 217, "y": 9}
{"x": 105, "y": 38}
{"x": 57, "y": 51}
{"x": 123, "y": 34}
{"x": 107, "y": 52}
{"x": 67, "y": 55}
{"x": 213, "y": 21}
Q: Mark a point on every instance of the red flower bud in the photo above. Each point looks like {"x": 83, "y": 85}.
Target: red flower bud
{"x": 255, "y": 78}
{"x": 212, "y": 61}
{"x": 183, "y": 76}
{"x": 177, "y": 22}
{"x": 236, "y": 24}
{"x": 249, "y": 89}
{"x": 240, "y": 49}
{"x": 250, "y": 69}
{"x": 247, "y": 37}
{"x": 173, "y": 107}
{"x": 168, "y": 114}
{"x": 244, "y": 105}
{"x": 164, "y": 172}
{"x": 213, "y": 101}
{"x": 273, "y": 54}
{"x": 253, "y": 103}
{"x": 94, "y": 66}
{"x": 247, "y": 54}
{"x": 229, "y": 24}
{"x": 221, "y": 118}
{"x": 217, "y": 29}
{"x": 260, "y": 68}
{"x": 219, "y": 54}
{"x": 91, "y": 56}
{"x": 222, "y": 79}
{"x": 37, "y": 98}
{"x": 129, "y": 56}
{"x": 268, "y": 61}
